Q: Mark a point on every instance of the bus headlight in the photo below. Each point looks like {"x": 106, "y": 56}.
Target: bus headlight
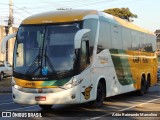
{"x": 72, "y": 84}
{"x": 67, "y": 86}
{"x": 16, "y": 86}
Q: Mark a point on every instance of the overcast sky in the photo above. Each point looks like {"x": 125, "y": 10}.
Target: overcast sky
{"x": 147, "y": 10}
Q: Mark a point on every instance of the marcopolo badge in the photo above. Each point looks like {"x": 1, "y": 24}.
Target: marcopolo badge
{"x": 45, "y": 71}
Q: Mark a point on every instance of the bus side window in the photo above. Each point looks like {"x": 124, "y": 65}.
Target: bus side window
{"x": 84, "y": 55}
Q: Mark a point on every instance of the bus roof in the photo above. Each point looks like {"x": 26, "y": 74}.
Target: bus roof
{"x": 61, "y": 16}
{"x": 124, "y": 23}
{"x": 132, "y": 26}
{"x": 58, "y": 16}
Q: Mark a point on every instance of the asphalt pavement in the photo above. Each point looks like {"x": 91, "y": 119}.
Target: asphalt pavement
{"x": 125, "y": 106}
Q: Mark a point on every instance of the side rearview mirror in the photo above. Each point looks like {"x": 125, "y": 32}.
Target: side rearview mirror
{"x": 4, "y": 41}
{"x": 78, "y": 37}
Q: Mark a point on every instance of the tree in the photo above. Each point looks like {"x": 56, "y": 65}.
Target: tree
{"x": 123, "y": 13}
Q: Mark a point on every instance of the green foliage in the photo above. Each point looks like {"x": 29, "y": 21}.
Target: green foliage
{"x": 123, "y": 13}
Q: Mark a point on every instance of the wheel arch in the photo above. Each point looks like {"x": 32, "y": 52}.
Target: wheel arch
{"x": 104, "y": 82}
{"x": 144, "y": 76}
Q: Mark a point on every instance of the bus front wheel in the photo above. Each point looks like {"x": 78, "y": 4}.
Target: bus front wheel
{"x": 100, "y": 97}
{"x": 45, "y": 106}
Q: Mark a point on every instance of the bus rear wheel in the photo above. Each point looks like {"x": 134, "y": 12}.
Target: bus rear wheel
{"x": 45, "y": 106}
{"x": 143, "y": 88}
{"x": 100, "y": 97}
{"x": 147, "y": 85}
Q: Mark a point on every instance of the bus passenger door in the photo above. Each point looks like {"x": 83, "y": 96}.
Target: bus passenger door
{"x": 85, "y": 72}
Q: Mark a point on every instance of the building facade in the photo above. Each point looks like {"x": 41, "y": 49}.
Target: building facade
{"x": 157, "y": 32}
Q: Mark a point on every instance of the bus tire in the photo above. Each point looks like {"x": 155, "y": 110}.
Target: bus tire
{"x": 45, "y": 106}
{"x": 142, "y": 90}
{"x": 100, "y": 97}
{"x": 147, "y": 85}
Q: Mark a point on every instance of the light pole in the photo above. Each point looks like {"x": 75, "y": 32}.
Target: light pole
{"x": 7, "y": 31}
{"x": 10, "y": 21}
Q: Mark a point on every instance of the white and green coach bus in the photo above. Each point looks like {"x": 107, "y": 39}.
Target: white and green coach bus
{"x": 78, "y": 56}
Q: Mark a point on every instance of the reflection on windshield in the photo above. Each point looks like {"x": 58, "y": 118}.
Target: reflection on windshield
{"x": 29, "y": 47}
{"x": 45, "y": 50}
{"x": 60, "y": 47}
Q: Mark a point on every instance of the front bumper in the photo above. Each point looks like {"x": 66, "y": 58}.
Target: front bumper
{"x": 69, "y": 96}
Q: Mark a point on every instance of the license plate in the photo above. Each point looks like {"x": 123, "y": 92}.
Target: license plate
{"x": 40, "y": 98}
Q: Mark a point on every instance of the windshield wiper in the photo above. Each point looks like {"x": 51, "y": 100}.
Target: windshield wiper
{"x": 47, "y": 60}
{"x": 31, "y": 70}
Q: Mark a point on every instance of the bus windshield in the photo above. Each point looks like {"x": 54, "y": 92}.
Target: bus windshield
{"x": 45, "y": 50}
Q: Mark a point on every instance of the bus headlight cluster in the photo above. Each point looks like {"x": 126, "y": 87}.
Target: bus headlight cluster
{"x": 17, "y": 87}
{"x": 72, "y": 84}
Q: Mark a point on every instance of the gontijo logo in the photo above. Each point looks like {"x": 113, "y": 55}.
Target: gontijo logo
{"x": 86, "y": 92}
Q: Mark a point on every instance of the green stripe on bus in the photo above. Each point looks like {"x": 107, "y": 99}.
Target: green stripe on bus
{"x": 122, "y": 67}
{"x": 55, "y": 82}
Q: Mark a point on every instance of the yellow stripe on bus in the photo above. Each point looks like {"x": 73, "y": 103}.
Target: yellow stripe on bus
{"x": 31, "y": 84}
